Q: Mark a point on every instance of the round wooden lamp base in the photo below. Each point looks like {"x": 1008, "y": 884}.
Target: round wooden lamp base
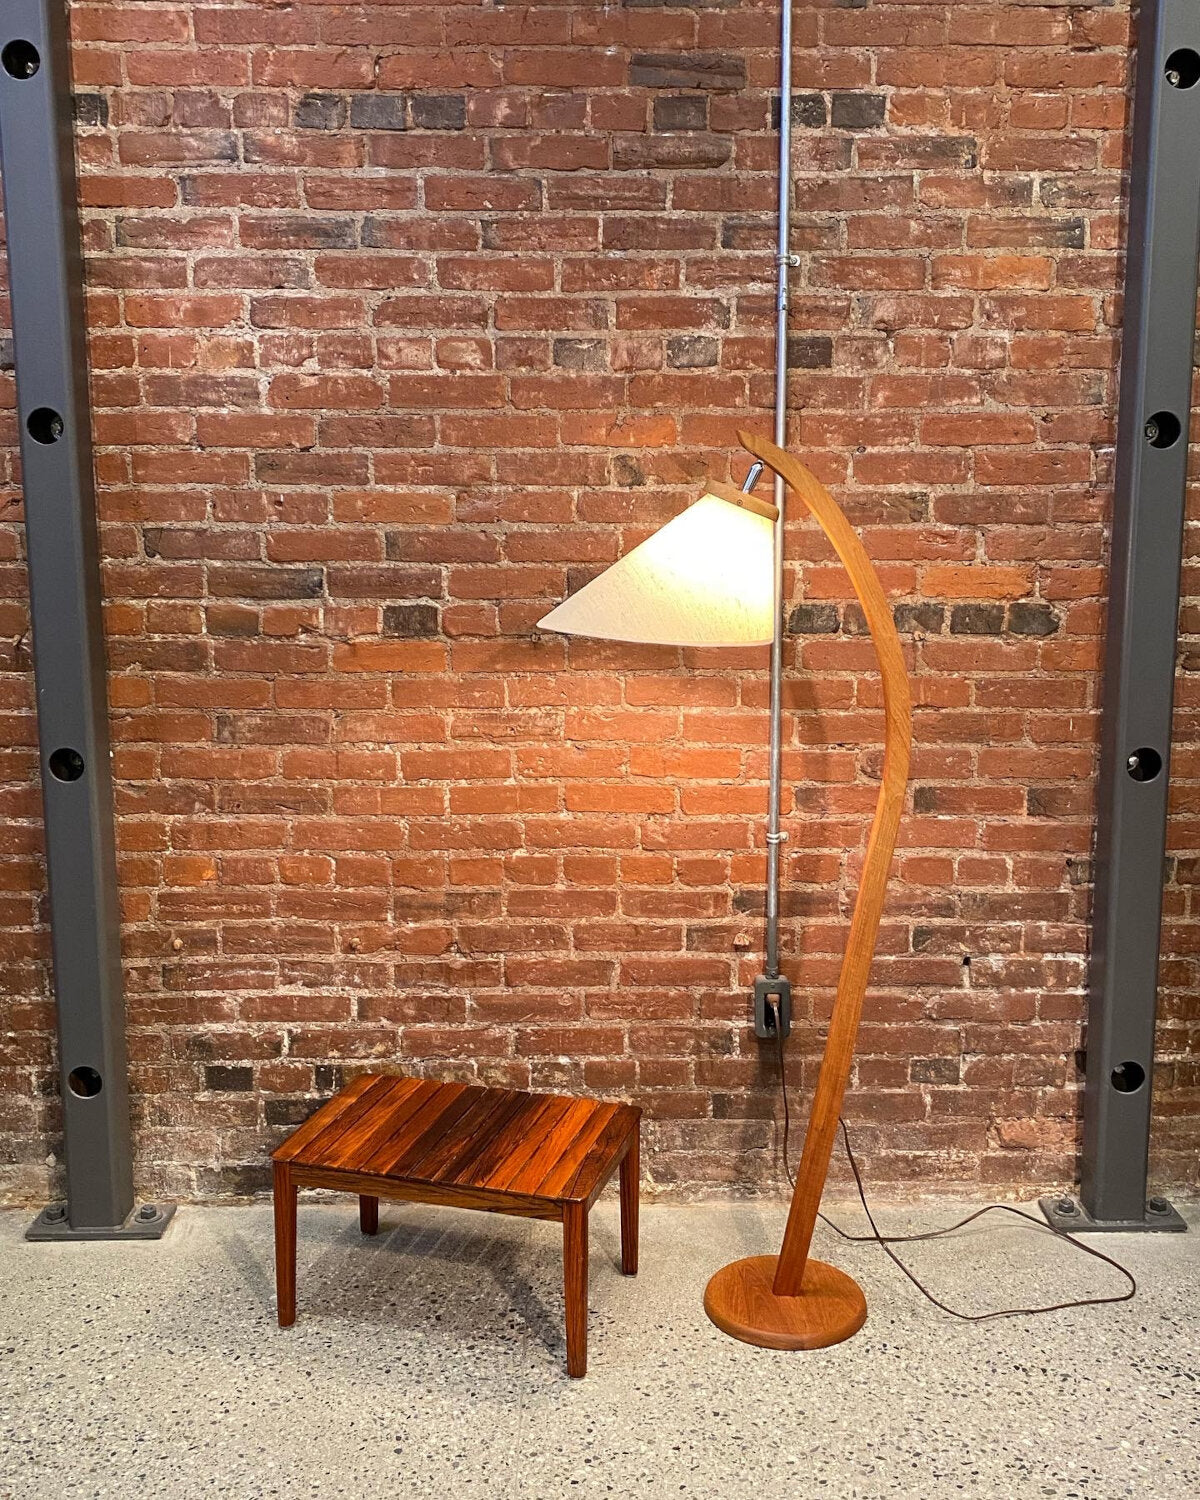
{"x": 739, "y": 1300}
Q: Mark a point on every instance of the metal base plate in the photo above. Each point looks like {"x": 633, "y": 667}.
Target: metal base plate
{"x": 148, "y": 1221}
{"x": 1067, "y": 1213}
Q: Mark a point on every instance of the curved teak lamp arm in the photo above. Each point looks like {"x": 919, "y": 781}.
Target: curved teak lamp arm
{"x": 864, "y": 925}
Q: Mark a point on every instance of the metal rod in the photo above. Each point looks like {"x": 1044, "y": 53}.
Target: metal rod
{"x": 753, "y": 476}
{"x": 783, "y": 263}
{"x": 1139, "y": 675}
{"x": 45, "y": 271}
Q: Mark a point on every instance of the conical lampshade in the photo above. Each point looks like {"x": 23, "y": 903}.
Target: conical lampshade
{"x": 703, "y": 579}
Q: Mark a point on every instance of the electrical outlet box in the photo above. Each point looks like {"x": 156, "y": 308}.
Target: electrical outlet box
{"x": 772, "y": 1007}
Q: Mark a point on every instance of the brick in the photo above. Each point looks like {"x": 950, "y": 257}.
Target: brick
{"x": 977, "y": 619}
{"x": 853, "y": 111}
{"x": 320, "y": 112}
{"x": 228, "y": 1079}
{"x": 410, "y": 619}
{"x": 809, "y": 352}
{"x": 814, "y": 619}
{"x": 809, "y": 111}
{"x": 1028, "y": 617}
{"x": 379, "y": 111}
{"x": 688, "y": 352}
{"x": 716, "y": 71}
{"x": 681, "y": 112}
{"x": 580, "y": 354}
{"x": 439, "y": 111}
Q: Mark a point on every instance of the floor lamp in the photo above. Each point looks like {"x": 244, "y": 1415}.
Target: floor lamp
{"x": 707, "y": 578}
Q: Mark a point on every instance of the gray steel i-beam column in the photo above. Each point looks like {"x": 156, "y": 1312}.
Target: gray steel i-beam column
{"x": 1142, "y": 631}
{"x": 45, "y": 272}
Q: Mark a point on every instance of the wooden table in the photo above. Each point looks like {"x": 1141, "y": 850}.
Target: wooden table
{"x": 541, "y": 1156}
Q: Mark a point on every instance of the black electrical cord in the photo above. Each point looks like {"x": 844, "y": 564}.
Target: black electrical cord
{"x": 886, "y": 1241}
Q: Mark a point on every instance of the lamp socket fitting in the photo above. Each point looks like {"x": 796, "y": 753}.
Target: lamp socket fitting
{"x": 772, "y": 1007}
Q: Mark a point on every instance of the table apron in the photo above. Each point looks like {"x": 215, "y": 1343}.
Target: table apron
{"x": 485, "y": 1200}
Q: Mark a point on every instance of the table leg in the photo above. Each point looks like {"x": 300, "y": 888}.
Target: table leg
{"x": 368, "y": 1214}
{"x": 630, "y": 1183}
{"x": 285, "y": 1244}
{"x": 575, "y": 1281}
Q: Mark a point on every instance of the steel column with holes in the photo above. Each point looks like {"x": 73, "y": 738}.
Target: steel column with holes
{"x": 1139, "y": 673}
{"x": 45, "y": 273}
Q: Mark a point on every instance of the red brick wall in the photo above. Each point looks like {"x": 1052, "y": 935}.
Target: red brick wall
{"x": 407, "y": 319}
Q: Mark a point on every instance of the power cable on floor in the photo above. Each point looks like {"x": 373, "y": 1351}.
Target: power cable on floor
{"x": 886, "y": 1241}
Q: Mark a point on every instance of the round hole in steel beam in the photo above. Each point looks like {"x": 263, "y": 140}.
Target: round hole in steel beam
{"x": 1183, "y": 69}
{"x": 44, "y": 425}
{"x": 1163, "y": 429}
{"x": 1128, "y": 1077}
{"x": 66, "y": 764}
{"x": 1143, "y": 764}
{"x": 86, "y": 1083}
{"x": 20, "y": 59}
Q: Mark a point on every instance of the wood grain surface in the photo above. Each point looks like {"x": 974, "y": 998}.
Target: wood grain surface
{"x": 864, "y": 924}
{"x": 417, "y": 1132}
{"x": 741, "y": 1300}
{"x": 539, "y": 1156}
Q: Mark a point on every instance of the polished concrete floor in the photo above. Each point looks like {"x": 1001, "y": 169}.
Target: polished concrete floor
{"x": 429, "y": 1362}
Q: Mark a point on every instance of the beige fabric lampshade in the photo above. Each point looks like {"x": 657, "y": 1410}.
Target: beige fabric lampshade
{"x": 703, "y": 579}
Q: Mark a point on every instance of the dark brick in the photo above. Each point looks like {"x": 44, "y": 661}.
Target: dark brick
{"x": 692, "y": 352}
{"x": 300, "y": 232}
{"x": 378, "y": 111}
{"x": 1079, "y": 870}
{"x": 814, "y": 619}
{"x": 439, "y": 111}
{"x": 289, "y": 1112}
{"x": 250, "y": 582}
{"x": 627, "y": 472}
{"x": 1030, "y": 617}
{"x": 6, "y": 353}
{"x": 90, "y": 109}
{"x": 935, "y": 1070}
{"x": 577, "y": 577}
{"x": 681, "y": 112}
{"x": 854, "y": 622}
{"x": 411, "y": 619}
{"x": 808, "y": 111}
{"x": 231, "y": 620}
{"x": 581, "y": 354}
{"x": 927, "y": 618}
{"x": 809, "y": 351}
{"x": 977, "y": 619}
{"x": 722, "y": 72}
{"x": 858, "y": 111}
{"x": 319, "y": 112}
{"x": 329, "y": 1078}
{"x": 1050, "y": 801}
{"x": 228, "y": 1080}
{"x": 792, "y": 903}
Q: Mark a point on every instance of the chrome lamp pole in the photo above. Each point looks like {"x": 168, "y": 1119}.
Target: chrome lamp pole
{"x": 772, "y": 992}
